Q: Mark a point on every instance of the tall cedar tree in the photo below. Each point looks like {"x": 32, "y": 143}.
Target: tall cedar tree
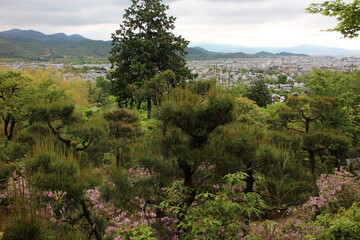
{"x": 144, "y": 46}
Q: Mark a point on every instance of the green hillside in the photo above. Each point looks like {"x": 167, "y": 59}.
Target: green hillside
{"x": 29, "y": 45}
{"x": 35, "y": 46}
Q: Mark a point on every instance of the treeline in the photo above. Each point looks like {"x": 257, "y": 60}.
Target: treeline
{"x": 208, "y": 164}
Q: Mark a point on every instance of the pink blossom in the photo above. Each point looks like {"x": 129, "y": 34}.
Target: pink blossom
{"x": 216, "y": 186}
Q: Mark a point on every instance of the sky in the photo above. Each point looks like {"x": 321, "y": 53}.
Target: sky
{"x": 272, "y": 23}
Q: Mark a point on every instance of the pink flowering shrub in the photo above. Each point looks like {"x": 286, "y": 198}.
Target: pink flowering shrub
{"x": 293, "y": 228}
{"x": 122, "y": 223}
{"x": 17, "y": 187}
{"x": 336, "y": 190}
{"x": 127, "y": 215}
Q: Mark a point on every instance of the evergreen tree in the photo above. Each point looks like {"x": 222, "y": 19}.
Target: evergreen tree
{"x": 144, "y": 46}
{"x": 259, "y": 93}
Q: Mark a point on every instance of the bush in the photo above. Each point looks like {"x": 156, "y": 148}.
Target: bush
{"x": 26, "y": 226}
{"x": 342, "y": 226}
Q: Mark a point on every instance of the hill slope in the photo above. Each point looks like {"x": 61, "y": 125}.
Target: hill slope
{"x": 30, "y": 45}
{"x": 36, "y": 46}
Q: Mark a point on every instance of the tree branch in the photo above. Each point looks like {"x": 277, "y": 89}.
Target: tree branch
{"x": 297, "y": 130}
{"x": 317, "y": 116}
{"x": 86, "y": 143}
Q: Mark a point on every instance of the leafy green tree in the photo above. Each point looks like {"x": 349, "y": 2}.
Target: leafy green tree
{"x": 55, "y": 116}
{"x": 66, "y": 125}
{"x": 16, "y": 93}
{"x": 153, "y": 89}
{"x": 301, "y": 114}
{"x": 57, "y": 171}
{"x": 104, "y": 84}
{"x": 144, "y": 46}
{"x": 259, "y": 93}
{"x": 282, "y": 79}
{"x": 344, "y": 86}
{"x": 218, "y": 213}
{"x": 124, "y": 125}
{"x": 347, "y": 14}
{"x": 247, "y": 149}
{"x": 190, "y": 119}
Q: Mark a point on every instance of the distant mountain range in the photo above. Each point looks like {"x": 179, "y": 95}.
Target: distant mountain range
{"x": 302, "y": 49}
{"x": 199, "y": 53}
{"x": 36, "y": 46}
{"x": 31, "y": 45}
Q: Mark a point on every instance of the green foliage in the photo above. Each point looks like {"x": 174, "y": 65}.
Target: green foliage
{"x": 144, "y": 46}
{"x": 5, "y": 171}
{"x": 202, "y": 86}
{"x": 334, "y": 84}
{"x": 25, "y": 227}
{"x": 53, "y": 112}
{"x": 341, "y": 226}
{"x": 28, "y": 46}
{"x": 16, "y": 93}
{"x": 282, "y": 79}
{"x": 24, "y": 222}
{"x": 344, "y": 87}
{"x": 52, "y": 169}
{"x": 347, "y": 15}
{"x": 122, "y": 115}
{"x": 218, "y": 215}
{"x": 259, "y": 93}
{"x": 197, "y": 117}
{"x": 123, "y": 128}
{"x": 49, "y": 93}
{"x": 104, "y": 84}
{"x": 141, "y": 232}
{"x": 247, "y": 111}
{"x": 240, "y": 150}
{"x": 136, "y": 183}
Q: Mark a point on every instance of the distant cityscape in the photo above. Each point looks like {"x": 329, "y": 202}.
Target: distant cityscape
{"x": 229, "y": 70}
{"x": 290, "y": 65}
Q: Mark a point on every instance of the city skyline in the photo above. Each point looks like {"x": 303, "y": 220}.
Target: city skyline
{"x": 273, "y": 23}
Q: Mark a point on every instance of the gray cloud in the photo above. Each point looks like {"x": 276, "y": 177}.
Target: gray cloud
{"x": 65, "y": 12}
{"x": 224, "y": 21}
{"x": 77, "y": 12}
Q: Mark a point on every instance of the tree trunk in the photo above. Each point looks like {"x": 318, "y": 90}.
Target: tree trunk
{"x": 57, "y": 133}
{"x": 118, "y": 156}
{"x": 149, "y": 107}
{"x": 250, "y": 180}
{"x": 307, "y": 125}
{"x": 337, "y": 163}
{"x": 6, "y": 125}
{"x": 94, "y": 228}
{"x": 188, "y": 181}
{"x": 312, "y": 161}
{"x": 9, "y": 130}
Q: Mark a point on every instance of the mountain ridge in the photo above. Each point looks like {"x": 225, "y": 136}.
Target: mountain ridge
{"x": 307, "y": 49}
{"x": 31, "y": 45}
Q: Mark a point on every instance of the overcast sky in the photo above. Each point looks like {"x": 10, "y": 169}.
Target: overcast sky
{"x": 236, "y": 22}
